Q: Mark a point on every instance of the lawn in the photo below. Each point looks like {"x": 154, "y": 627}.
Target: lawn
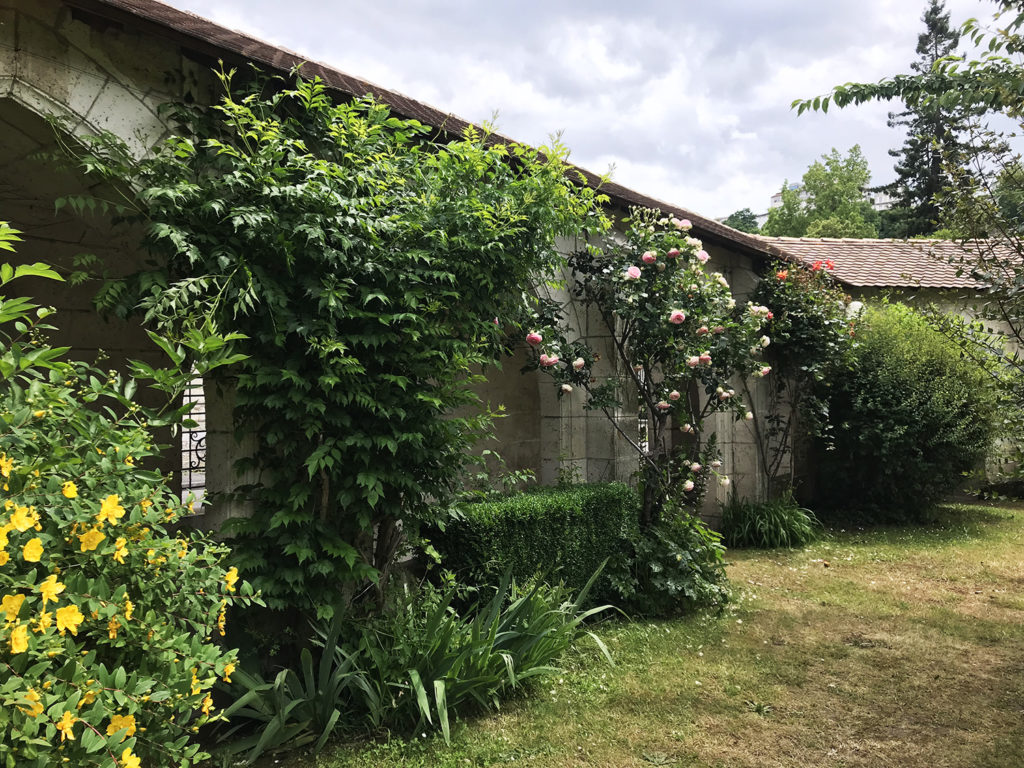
{"x": 895, "y": 647}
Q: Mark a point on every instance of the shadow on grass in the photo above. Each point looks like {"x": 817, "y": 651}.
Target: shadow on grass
{"x": 949, "y": 523}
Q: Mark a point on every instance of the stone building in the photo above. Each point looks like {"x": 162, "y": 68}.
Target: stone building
{"x": 108, "y": 65}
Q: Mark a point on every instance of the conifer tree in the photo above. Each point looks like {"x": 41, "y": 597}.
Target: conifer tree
{"x": 934, "y": 136}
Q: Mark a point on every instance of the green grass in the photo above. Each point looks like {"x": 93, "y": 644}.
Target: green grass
{"x": 890, "y": 647}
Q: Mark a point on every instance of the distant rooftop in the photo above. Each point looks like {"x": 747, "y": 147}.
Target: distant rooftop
{"x": 872, "y": 263}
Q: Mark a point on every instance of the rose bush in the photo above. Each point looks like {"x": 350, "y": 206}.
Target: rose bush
{"x": 680, "y": 338}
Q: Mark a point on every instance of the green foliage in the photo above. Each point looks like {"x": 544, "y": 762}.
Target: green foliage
{"x": 563, "y": 533}
{"x": 812, "y": 338}
{"x": 417, "y": 667}
{"x": 679, "y": 341}
{"x": 771, "y": 524}
{"x": 991, "y": 82}
{"x": 107, "y": 651}
{"x": 366, "y": 265}
{"x": 745, "y": 220}
{"x": 830, "y": 202}
{"x": 673, "y": 568}
{"x": 911, "y": 417}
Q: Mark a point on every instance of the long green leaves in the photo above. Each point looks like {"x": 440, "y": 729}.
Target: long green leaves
{"x": 416, "y": 669}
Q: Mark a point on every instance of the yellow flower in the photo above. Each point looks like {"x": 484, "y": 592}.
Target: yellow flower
{"x": 117, "y": 722}
{"x": 24, "y": 518}
{"x": 44, "y": 622}
{"x": 4, "y": 557}
{"x": 91, "y": 539}
{"x": 129, "y": 608}
{"x": 196, "y": 687}
{"x": 111, "y": 509}
{"x": 207, "y": 705}
{"x": 32, "y": 550}
{"x": 145, "y": 504}
{"x": 130, "y": 461}
{"x": 35, "y": 707}
{"x": 231, "y": 578}
{"x": 19, "y": 639}
{"x": 128, "y": 760}
{"x": 39, "y": 414}
{"x": 11, "y": 605}
{"x": 68, "y": 618}
{"x": 112, "y": 626}
{"x": 228, "y": 669}
{"x": 66, "y": 726}
{"x": 222, "y": 617}
{"x": 87, "y": 698}
{"x": 69, "y": 489}
{"x": 184, "y": 548}
{"x": 121, "y": 551}
{"x": 6, "y": 465}
{"x": 49, "y": 588}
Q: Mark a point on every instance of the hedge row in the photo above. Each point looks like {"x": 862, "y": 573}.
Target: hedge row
{"x": 564, "y": 533}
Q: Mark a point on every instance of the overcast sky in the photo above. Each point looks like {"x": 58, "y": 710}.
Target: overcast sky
{"x": 687, "y": 99}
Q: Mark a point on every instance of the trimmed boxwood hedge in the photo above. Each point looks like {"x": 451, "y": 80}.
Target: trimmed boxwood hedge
{"x": 564, "y": 533}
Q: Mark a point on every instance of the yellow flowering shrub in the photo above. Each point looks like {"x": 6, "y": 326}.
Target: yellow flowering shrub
{"x": 110, "y": 610}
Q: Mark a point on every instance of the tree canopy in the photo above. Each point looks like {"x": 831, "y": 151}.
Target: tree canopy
{"x": 830, "y": 202}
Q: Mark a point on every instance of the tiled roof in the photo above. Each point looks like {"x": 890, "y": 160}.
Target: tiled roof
{"x": 211, "y": 40}
{"x": 867, "y": 263}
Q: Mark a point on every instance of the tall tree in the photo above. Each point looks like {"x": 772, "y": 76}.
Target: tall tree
{"x": 934, "y": 137}
{"x": 745, "y": 220}
{"x": 830, "y": 202}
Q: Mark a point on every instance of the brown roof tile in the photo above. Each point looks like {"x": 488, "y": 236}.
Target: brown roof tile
{"x": 212, "y": 40}
{"x": 871, "y": 263}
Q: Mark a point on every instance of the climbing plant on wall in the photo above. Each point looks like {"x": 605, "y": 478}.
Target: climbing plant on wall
{"x": 367, "y": 265}
{"x": 679, "y": 341}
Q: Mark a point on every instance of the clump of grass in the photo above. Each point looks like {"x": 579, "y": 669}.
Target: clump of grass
{"x": 769, "y": 524}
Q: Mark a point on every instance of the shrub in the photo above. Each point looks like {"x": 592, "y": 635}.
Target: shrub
{"x": 415, "y": 667}
{"x": 769, "y": 524}
{"x": 911, "y": 416}
{"x": 564, "y": 532}
{"x": 107, "y": 651}
{"x": 365, "y": 263}
{"x": 670, "y": 569}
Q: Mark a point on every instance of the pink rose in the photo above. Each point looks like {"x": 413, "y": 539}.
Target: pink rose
{"x": 705, "y": 358}
{"x": 533, "y": 338}
{"x": 702, "y": 330}
{"x": 718, "y": 329}
{"x": 566, "y": 388}
{"x": 547, "y": 362}
{"x": 702, "y": 257}
{"x": 766, "y": 370}
{"x": 688, "y": 486}
{"x": 672, "y": 253}
{"x": 687, "y": 428}
{"x": 674, "y": 395}
{"x": 724, "y": 482}
{"x": 749, "y": 416}
{"x": 495, "y": 321}
{"x": 663, "y": 406}
{"x": 578, "y": 364}
{"x": 649, "y": 257}
{"x": 716, "y": 464}
{"x": 676, "y": 316}
{"x": 693, "y": 361}
{"x": 695, "y": 467}
{"x": 633, "y": 273}
{"x": 684, "y": 224}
